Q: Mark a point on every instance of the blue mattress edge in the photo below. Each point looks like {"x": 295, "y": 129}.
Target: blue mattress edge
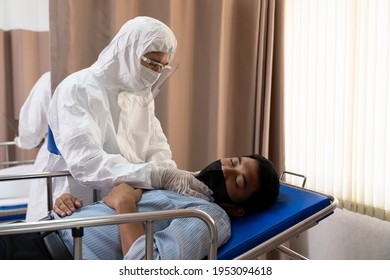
{"x": 246, "y": 233}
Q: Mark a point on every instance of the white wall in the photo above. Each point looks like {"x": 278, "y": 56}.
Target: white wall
{"x": 345, "y": 235}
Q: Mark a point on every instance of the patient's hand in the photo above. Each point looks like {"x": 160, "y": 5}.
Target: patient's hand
{"x": 123, "y": 198}
{"x": 66, "y": 204}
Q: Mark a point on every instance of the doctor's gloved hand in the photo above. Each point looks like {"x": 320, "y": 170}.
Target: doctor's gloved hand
{"x": 180, "y": 181}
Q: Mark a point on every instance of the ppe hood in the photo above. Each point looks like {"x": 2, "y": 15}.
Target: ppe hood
{"x": 118, "y": 65}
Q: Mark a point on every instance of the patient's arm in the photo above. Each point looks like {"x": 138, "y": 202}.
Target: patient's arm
{"x": 124, "y": 198}
{"x": 66, "y": 204}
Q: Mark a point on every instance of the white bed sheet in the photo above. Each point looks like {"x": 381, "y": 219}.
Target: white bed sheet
{"x": 14, "y": 194}
{"x": 16, "y": 188}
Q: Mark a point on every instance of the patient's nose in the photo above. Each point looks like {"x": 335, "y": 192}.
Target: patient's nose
{"x": 230, "y": 171}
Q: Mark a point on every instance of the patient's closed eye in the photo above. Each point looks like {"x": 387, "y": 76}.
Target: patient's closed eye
{"x": 235, "y": 161}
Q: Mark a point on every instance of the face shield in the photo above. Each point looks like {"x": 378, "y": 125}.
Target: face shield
{"x": 152, "y": 91}
{"x": 165, "y": 74}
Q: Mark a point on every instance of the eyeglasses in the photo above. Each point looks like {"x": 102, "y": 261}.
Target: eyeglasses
{"x": 155, "y": 64}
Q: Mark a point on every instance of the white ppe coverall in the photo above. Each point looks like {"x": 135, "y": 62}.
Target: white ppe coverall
{"x": 33, "y": 115}
{"x": 32, "y": 131}
{"x": 102, "y": 122}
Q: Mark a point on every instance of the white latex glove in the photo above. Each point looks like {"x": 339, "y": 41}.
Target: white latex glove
{"x": 195, "y": 173}
{"x": 180, "y": 181}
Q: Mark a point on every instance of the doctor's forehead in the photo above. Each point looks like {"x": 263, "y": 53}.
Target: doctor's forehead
{"x": 158, "y": 56}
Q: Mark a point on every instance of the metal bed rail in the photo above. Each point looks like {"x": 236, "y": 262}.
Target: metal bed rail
{"x": 77, "y": 226}
{"x": 39, "y": 175}
{"x": 7, "y": 162}
{"x": 285, "y": 173}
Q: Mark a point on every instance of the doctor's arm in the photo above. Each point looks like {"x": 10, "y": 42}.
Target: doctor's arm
{"x": 159, "y": 151}
{"x": 79, "y": 131}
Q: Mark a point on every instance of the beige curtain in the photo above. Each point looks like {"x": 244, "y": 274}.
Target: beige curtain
{"x": 23, "y": 59}
{"x": 225, "y": 97}
{"x": 269, "y": 131}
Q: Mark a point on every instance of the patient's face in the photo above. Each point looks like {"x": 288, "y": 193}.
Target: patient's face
{"x": 241, "y": 177}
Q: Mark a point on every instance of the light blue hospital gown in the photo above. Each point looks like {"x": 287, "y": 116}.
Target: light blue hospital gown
{"x": 186, "y": 238}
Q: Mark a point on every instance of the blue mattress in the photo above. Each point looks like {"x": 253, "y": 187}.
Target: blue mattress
{"x": 293, "y": 205}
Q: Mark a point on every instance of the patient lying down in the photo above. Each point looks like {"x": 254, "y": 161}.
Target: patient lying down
{"x": 238, "y": 186}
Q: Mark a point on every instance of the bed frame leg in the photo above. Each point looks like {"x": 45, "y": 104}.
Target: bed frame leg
{"x": 77, "y": 234}
{"x": 292, "y": 254}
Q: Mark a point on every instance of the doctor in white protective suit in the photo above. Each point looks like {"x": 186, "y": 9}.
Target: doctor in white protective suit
{"x": 32, "y": 133}
{"x": 103, "y": 120}
{"x": 32, "y": 128}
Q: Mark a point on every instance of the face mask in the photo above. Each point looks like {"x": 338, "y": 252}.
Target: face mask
{"x": 148, "y": 76}
{"x": 212, "y": 176}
